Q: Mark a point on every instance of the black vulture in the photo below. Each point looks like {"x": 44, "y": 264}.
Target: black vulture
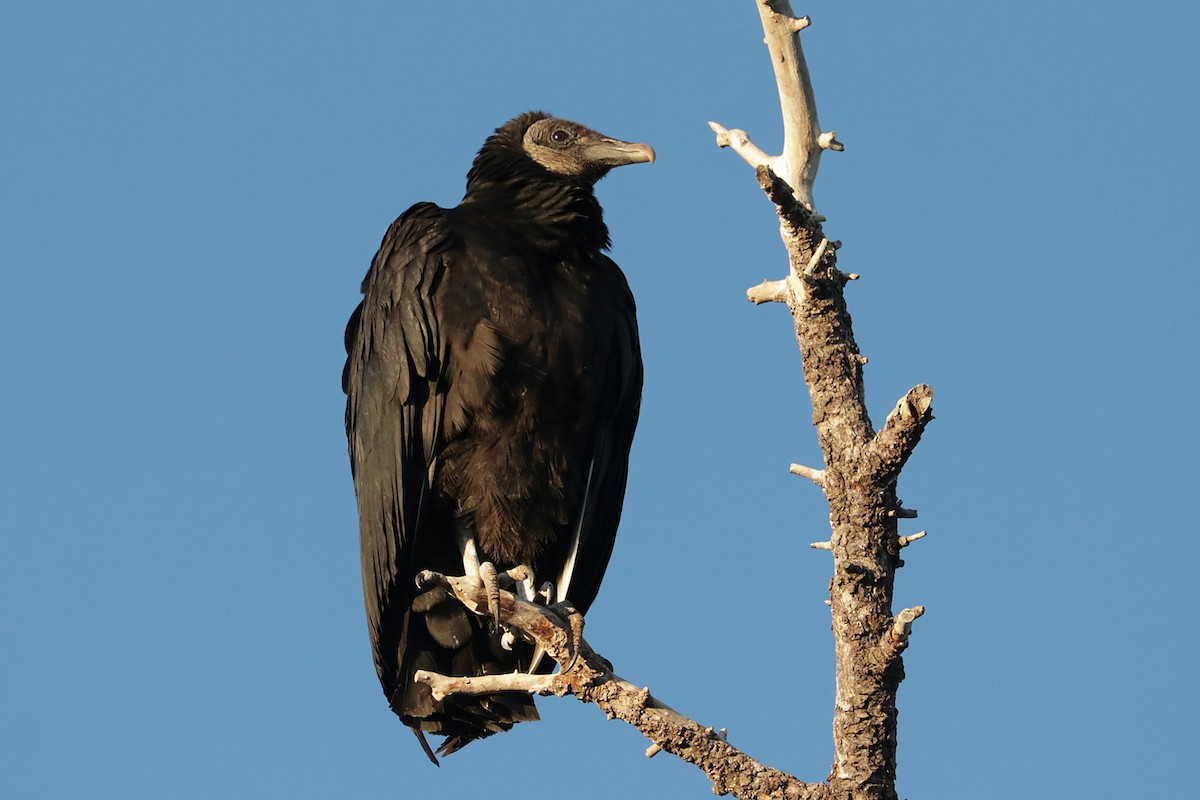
{"x": 493, "y": 380}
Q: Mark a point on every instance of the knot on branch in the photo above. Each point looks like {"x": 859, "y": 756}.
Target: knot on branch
{"x": 798, "y": 24}
{"x": 829, "y": 141}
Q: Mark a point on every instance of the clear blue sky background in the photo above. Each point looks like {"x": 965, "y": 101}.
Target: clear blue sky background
{"x": 190, "y": 194}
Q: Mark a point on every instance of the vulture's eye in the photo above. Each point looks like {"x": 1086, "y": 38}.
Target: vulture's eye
{"x": 560, "y": 136}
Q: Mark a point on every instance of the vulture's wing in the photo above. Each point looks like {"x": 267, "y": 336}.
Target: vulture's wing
{"x": 616, "y": 419}
{"x": 395, "y": 357}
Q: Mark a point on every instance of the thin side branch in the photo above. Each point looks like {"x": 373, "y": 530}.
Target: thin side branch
{"x": 739, "y": 142}
{"x": 443, "y": 686}
{"x": 902, "y": 627}
{"x": 896, "y": 640}
{"x": 817, "y": 476}
{"x": 818, "y": 254}
{"x": 769, "y": 292}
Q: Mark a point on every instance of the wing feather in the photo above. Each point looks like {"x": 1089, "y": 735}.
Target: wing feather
{"x": 616, "y": 420}
{"x": 395, "y": 349}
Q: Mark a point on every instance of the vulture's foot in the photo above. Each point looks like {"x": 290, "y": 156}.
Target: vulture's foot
{"x": 520, "y": 580}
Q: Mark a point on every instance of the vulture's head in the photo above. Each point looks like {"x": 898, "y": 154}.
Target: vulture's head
{"x": 570, "y": 149}
{"x": 562, "y": 147}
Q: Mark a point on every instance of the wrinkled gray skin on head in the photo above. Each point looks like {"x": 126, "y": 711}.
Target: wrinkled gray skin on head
{"x": 568, "y": 148}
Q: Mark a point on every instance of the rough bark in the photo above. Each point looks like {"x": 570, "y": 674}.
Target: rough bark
{"x": 859, "y": 481}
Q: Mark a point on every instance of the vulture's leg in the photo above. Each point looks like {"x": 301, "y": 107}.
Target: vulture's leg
{"x": 470, "y": 554}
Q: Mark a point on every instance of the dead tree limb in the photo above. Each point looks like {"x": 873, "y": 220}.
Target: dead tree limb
{"x": 589, "y": 677}
{"x": 861, "y": 466}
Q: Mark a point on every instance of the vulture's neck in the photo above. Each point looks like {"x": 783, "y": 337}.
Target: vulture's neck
{"x": 551, "y": 212}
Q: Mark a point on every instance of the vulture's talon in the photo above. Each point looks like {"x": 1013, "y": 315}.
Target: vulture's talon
{"x": 491, "y": 583}
{"x": 525, "y": 584}
{"x": 574, "y": 622}
{"x": 427, "y": 578}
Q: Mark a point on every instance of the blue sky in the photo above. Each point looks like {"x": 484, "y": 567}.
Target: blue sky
{"x": 189, "y": 196}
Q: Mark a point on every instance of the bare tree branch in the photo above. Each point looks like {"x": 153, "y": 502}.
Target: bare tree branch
{"x": 442, "y": 686}
{"x": 589, "y": 677}
{"x": 817, "y": 476}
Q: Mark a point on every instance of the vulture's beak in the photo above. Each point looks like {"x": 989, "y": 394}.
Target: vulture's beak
{"x": 615, "y": 153}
